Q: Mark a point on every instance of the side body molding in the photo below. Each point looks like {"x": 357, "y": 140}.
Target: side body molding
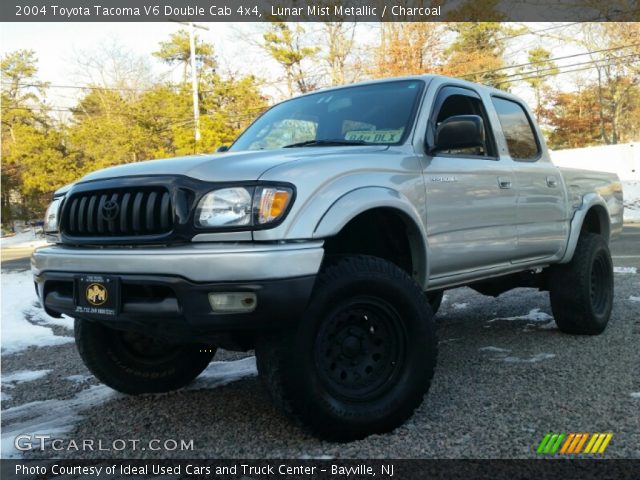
{"x": 360, "y": 200}
{"x": 589, "y": 201}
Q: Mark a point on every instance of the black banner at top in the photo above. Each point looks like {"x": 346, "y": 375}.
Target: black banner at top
{"x": 319, "y": 10}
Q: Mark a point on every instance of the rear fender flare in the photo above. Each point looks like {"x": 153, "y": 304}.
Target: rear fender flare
{"x": 589, "y": 201}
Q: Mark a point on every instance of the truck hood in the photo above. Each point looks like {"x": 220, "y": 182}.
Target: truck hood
{"x": 229, "y": 166}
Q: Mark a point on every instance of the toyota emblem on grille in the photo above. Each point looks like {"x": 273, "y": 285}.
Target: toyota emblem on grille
{"x": 110, "y": 210}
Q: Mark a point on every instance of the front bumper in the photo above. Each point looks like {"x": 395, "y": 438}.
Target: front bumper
{"x": 167, "y": 288}
{"x": 198, "y": 262}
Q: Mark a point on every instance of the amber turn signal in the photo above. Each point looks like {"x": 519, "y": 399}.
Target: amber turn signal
{"x": 272, "y": 203}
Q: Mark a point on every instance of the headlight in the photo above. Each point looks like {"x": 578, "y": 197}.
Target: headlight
{"x": 51, "y": 218}
{"x": 225, "y": 208}
{"x": 243, "y": 206}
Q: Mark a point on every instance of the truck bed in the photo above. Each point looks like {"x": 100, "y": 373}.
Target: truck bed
{"x": 582, "y": 182}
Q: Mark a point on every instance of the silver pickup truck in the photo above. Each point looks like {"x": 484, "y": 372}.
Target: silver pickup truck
{"x": 323, "y": 239}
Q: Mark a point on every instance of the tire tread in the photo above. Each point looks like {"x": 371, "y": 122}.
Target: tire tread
{"x": 570, "y": 286}
{"x": 272, "y": 352}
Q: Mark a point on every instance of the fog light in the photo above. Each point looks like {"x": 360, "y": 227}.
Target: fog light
{"x": 233, "y": 302}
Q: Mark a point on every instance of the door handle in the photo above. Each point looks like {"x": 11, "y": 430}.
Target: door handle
{"x": 504, "y": 182}
{"x": 552, "y": 182}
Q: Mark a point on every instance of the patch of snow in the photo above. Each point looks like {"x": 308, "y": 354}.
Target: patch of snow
{"x": 548, "y": 326}
{"x": 534, "y": 315}
{"x": 37, "y": 315}
{"x": 4, "y": 397}
{"x": 445, "y": 298}
{"x": 503, "y": 354}
{"x": 48, "y": 417}
{"x": 57, "y": 417}
{"x": 315, "y": 457}
{"x": 460, "y": 306}
{"x": 494, "y": 349}
{"x": 18, "y": 302}
{"x": 625, "y": 270}
{"x": 222, "y": 373}
{"x": 539, "y": 357}
{"x": 631, "y": 194}
{"x": 534, "y": 327}
{"x": 635, "y": 394}
{"x": 12, "y": 379}
{"x": 78, "y": 378}
{"x": 634, "y": 299}
{"x": 22, "y": 240}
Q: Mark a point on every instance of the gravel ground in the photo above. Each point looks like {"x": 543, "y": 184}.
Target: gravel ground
{"x": 500, "y": 386}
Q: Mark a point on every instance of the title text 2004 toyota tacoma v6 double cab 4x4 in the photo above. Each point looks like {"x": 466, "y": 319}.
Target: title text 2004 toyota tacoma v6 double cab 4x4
{"x": 324, "y": 239}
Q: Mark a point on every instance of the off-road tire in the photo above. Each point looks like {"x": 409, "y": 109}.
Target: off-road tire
{"x": 124, "y": 365}
{"x": 581, "y": 291}
{"x": 370, "y": 322}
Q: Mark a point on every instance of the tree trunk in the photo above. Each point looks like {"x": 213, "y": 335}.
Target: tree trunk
{"x": 6, "y": 208}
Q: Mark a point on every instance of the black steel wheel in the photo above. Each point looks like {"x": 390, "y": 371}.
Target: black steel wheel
{"x": 137, "y": 347}
{"x": 361, "y": 359}
{"x": 360, "y": 348}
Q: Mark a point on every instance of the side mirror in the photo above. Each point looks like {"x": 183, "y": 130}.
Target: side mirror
{"x": 222, "y": 148}
{"x": 459, "y": 131}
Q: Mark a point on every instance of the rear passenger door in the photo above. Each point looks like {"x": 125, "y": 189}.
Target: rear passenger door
{"x": 541, "y": 220}
{"x": 471, "y": 202}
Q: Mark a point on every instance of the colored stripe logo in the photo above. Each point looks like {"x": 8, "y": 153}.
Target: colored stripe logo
{"x": 574, "y": 443}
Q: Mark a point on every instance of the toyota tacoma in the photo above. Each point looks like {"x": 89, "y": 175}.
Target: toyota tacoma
{"x": 323, "y": 238}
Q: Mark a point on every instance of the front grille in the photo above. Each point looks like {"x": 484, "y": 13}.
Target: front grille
{"x": 118, "y": 212}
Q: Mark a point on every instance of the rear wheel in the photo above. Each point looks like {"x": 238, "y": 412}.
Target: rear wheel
{"x": 363, "y": 356}
{"x": 134, "y": 363}
{"x": 581, "y": 291}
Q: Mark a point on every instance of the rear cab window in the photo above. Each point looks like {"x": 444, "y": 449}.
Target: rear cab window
{"x": 518, "y": 130}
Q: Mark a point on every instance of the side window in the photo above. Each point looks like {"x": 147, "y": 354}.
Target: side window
{"x": 467, "y": 105}
{"x": 517, "y": 129}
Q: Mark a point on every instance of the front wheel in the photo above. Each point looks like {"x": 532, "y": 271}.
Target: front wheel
{"x": 133, "y": 363}
{"x": 363, "y": 356}
{"x": 581, "y": 291}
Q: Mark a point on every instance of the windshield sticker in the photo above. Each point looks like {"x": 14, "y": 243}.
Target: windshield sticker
{"x": 375, "y": 136}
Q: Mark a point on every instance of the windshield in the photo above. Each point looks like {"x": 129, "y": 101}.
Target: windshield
{"x": 380, "y": 113}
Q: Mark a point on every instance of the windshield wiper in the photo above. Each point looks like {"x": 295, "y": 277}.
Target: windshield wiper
{"x": 327, "y": 142}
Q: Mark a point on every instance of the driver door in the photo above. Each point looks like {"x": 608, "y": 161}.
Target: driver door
{"x": 471, "y": 197}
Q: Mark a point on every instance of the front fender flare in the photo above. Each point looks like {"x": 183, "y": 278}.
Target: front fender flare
{"x": 355, "y": 202}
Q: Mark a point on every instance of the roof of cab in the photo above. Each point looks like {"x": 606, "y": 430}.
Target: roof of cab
{"x": 425, "y": 77}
